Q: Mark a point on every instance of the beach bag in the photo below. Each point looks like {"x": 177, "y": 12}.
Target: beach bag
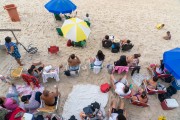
{"x": 163, "y": 96}
{"x": 171, "y": 90}
{"x": 69, "y": 43}
{"x": 114, "y": 50}
{"x": 67, "y": 73}
{"x": 16, "y": 114}
{"x": 105, "y": 87}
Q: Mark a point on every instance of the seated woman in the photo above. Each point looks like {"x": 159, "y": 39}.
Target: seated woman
{"x": 98, "y": 60}
{"x": 140, "y": 96}
{"x": 168, "y": 36}
{"x": 152, "y": 83}
{"x": 73, "y": 62}
{"x": 133, "y": 62}
{"x": 121, "y": 61}
{"x": 11, "y": 100}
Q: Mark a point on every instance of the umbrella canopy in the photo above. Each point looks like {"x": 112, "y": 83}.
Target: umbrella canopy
{"x": 171, "y": 61}
{"x": 60, "y": 6}
{"x": 75, "y": 29}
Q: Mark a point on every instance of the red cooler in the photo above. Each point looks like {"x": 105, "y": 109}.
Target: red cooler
{"x": 169, "y": 104}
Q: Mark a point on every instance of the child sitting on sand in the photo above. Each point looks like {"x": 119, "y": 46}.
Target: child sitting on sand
{"x": 168, "y": 36}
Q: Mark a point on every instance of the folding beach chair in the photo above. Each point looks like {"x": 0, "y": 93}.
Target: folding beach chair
{"x": 95, "y": 68}
{"x": 48, "y": 109}
{"x": 16, "y": 73}
{"x": 53, "y": 49}
{"x": 153, "y": 91}
{"x": 73, "y": 72}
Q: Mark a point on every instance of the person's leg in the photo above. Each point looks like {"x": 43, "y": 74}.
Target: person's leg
{"x": 36, "y": 64}
{"x": 121, "y": 106}
{"x": 82, "y": 115}
{"x": 112, "y": 80}
{"x": 13, "y": 95}
{"x": 19, "y": 62}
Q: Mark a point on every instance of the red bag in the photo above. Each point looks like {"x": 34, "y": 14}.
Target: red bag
{"x": 69, "y": 43}
{"x": 105, "y": 87}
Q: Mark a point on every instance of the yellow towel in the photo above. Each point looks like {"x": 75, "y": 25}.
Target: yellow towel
{"x": 17, "y": 72}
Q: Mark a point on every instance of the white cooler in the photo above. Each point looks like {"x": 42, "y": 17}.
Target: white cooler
{"x": 169, "y": 104}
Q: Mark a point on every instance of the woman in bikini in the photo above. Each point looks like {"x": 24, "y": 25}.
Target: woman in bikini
{"x": 152, "y": 83}
{"x": 141, "y": 97}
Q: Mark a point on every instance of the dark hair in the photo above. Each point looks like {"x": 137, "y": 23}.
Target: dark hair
{"x": 24, "y": 99}
{"x": 137, "y": 55}
{"x": 128, "y": 41}
{"x": 155, "y": 78}
{"x": 87, "y": 15}
{"x": 121, "y": 117}
{"x": 1, "y": 101}
{"x": 122, "y": 61}
{"x": 126, "y": 89}
{"x": 163, "y": 25}
{"x": 30, "y": 71}
{"x": 107, "y": 37}
{"x": 8, "y": 39}
{"x": 143, "y": 95}
{"x": 72, "y": 56}
{"x": 168, "y": 32}
{"x": 100, "y": 55}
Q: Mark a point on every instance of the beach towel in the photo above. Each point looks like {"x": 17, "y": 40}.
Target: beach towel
{"x": 25, "y": 90}
{"x": 82, "y": 96}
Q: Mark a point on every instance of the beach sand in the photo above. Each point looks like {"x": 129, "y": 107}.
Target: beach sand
{"x": 130, "y": 19}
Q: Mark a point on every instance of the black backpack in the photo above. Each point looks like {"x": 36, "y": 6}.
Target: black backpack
{"x": 163, "y": 96}
{"x": 171, "y": 90}
{"x": 168, "y": 79}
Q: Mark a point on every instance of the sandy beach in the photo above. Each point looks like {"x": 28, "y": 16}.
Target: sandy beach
{"x": 130, "y": 19}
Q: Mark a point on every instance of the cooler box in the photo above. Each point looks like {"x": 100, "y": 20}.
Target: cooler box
{"x": 169, "y": 104}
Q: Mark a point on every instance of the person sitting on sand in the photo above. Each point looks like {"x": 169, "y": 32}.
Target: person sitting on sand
{"x": 168, "y": 36}
{"x": 73, "y": 62}
{"x": 140, "y": 96}
{"x": 160, "y": 26}
{"x": 50, "y": 98}
{"x": 11, "y": 100}
{"x": 98, "y": 60}
{"x": 32, "y": 103}
{"x": 121, "y": 86}
{"x": 123, "y": 42}
{"x": 152, "y": 83}
{"x": 121, "y": 61}
{"x": 106, "y": 42}
{"x": 36, "y": 72}
{"x": 117, "y": 113}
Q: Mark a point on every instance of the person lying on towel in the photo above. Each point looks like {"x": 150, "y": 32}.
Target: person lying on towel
{"x": 50, "y": 98}
{"x": 120, "y": 86}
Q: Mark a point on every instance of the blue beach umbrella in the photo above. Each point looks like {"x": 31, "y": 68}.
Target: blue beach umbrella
{"x": 60, "y": 6}
{"x": 171, "y": 61}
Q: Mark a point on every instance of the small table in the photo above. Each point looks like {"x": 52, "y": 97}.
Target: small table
{"x": 54, "y": 73}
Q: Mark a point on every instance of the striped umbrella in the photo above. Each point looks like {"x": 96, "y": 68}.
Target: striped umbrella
{"x": 75, "y": 29}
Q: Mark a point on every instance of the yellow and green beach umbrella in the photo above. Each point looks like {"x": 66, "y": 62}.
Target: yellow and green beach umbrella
{"x": 75, "y": 29}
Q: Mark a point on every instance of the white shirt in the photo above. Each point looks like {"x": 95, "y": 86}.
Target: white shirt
{"x": 87, "y": 19}
{"x": 97, "y": 62}
{"x": 120, "y": 89}
{"x": 113, "y": 116}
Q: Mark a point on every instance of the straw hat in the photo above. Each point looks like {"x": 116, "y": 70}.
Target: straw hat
{"x": 116, "y": 40}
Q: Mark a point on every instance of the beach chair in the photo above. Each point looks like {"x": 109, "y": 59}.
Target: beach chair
{"x": 153, "y": 91}
{"x": 31, "y": 80}
{"x": 95, "y": 68}
{"x": 138, "y": 103}
{"x": 120, "y": 69}
{"x": 73, "y": 72}
{"x": 16, "y": 73}
{"x": 49, "y": 109}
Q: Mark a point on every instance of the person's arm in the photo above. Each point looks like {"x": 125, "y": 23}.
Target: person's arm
{"x": 32, "y": 96}
{"x": 112, "y": 81}
{"x": 78, "y": 60}
{"x": 11, "y": 50}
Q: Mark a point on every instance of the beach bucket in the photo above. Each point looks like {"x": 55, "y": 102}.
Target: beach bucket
{"x": 12, "y": 11}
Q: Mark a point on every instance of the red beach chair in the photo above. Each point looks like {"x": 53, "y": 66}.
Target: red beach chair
{"x": 53, "y": 49}
{"x": 138, "y": 103}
